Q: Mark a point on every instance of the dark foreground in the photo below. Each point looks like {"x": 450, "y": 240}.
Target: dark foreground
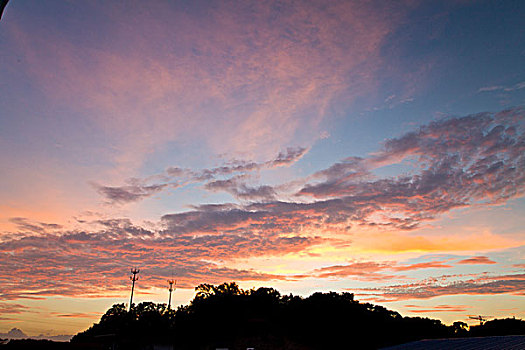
{"x": 509, "y": 342}
{"x": 226, "y": 316}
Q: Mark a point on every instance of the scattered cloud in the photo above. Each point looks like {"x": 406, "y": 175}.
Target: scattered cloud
{"x": 438, "y": 308}
{"x": 363, "y": 271}
{"x": 100, "y": 259}
{"x": 235, "y": 171}
{"x": 25, "y": 224}
{"x": 477, "y": 260}
{"x": 424, "y": 265}
{"x": 514, "y": 87}
{"x": 240, "y": 190}
{"x": 11, "y": 308}
{"x": 126, "y": 194}
{"x": 450, "y": 285}
{"x": 369, "y": 270}
{"x": 221, "y": 69}
{"x": 92, "y": 315}
{"x": 391, "y": 102}
{"x": 285, "y": 158}
{"x": 461, "y": 161}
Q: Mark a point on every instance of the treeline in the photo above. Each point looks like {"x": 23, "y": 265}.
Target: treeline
{"x": 226, "y": 316}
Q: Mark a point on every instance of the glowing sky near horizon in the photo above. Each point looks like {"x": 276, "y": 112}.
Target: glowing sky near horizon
{"x": 364, "y": 146}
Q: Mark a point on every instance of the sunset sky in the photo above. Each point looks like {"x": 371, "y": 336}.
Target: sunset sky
{"x": 374, "y": 147}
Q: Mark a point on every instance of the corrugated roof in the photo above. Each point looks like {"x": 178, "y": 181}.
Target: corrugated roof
{"x": 510, "y": 342}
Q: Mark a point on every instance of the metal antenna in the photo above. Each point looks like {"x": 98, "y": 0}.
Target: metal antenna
{"x": 133, "y": 278}
{"x": 171, "y": 289}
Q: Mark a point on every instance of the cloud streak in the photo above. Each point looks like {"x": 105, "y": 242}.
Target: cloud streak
{"x": 438, "y": 308}
{"x": 514, "y": 87}
{"x": 127, "y": 194}
{"x": 235, "y": 171}
{"x": 450, "y": 285}
{"x": 370, "y": 270}
{"x": 477, "y": 260}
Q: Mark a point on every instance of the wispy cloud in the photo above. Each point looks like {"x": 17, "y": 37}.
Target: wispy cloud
{"x": 126, "y": 194}
{"x": 258, "y": 74}
{"x": 232, "y": 176}
{"x": 514, "y": 87}
{"x": 76, "y": 315}
{"x": 462, "y": 161}
{"x": 438, "y": 308}
{"x": 27, "y": 225}
{"x": 451, "y": 285}
{"x": 477, "y": 260}
{"x": 240, "y": 190}
{"x": 11, "y": 308}
{"x": 371, "y": 270}
{"x": 363, "y": 271}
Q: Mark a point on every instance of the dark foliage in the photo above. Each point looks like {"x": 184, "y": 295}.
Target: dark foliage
{"x": 505, "y": 326}
{"x": 226, "y": 316}
{"x": 145, "y": 323}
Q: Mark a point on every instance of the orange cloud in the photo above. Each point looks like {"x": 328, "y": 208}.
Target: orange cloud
{"x": 450, "y": 285}
{"x": 438, "y": 308}
{"x": 477, "y": 260}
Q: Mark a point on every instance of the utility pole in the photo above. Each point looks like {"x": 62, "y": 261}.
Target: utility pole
{"x": 133, "y": 278}
{"x": 171, "y": 290}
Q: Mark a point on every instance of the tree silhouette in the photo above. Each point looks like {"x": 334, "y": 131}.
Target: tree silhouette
{"x": 227, "y": 316}
{"x": 460, "y": 328}
{"x": 503, "y": 326}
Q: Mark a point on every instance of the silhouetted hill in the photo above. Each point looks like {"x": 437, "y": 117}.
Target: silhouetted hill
{"x": 226, "y": 316}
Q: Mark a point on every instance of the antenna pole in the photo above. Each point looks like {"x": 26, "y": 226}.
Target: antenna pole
{"x": 171, "y": 290}
{"x": 133, "y": 278}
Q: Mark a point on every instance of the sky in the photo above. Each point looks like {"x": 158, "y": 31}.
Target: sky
{"x": 369, "y": 147}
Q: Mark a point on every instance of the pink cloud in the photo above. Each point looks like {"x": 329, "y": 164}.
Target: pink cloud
{"x": 11, "y": 308}
{"x": 370, "y": 270}
{"x": 465, "y": 160}
{"x": 477, "y": 260}
{"x": 438, "y": 308}
{"x": 188, "y": 71}
{"x": 364, "y": 271}
{"x": 194, "y": 241}
{"x": 76, "y": 315}
{"x": 425, "y": 265}
{"x": 450, "y": 285}
{"x": 100, "y": 259}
